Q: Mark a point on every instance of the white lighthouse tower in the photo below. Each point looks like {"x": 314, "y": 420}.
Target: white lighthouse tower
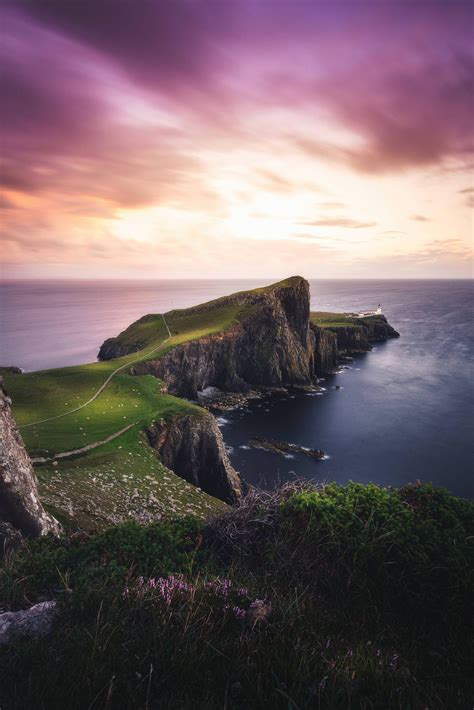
{"x": 378, "y": 312}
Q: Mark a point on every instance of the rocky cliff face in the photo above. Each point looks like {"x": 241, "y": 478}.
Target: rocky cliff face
{"x": 20, "y": 508}
{"x": 354, "y": 339}
{"x": 358, "y": 338}
{"x": 325, "y": 350}
{"x": 273, "y": 346}
{"x": 192, "y": 446}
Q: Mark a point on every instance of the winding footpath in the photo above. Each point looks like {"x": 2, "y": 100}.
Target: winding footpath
{"x": 104, "y": 385}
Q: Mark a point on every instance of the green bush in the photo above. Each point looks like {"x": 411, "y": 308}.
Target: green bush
{"x": 85, "y": 562}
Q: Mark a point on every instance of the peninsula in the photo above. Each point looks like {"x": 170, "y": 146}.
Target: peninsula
{"x": 124, "y": 436}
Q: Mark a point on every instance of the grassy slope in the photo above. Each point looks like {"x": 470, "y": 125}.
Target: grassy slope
{"x": 116, "y": 481}
{"x": 370, "y": 592}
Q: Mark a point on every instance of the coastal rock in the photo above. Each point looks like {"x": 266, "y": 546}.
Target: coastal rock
{"x": 28, "y": 623}
{"x": 272, "y": 346}
{"x": 358, "y": 338}
{"x": 20, "y": 507}
{"x": 283, "y": 448}
{"x": 325, "y": 350}
{"x": 192, "y": 446}
{"x": 351, "y": 338}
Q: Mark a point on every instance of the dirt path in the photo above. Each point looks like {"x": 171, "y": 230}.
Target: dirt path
{"x": 88, "y": 447}
{"x": 104, "y": 385}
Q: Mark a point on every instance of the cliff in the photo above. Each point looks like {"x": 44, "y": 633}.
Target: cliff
{"x": 271, "y": 345}
{"x": 21, "y": 510}
{"x": 192, "y": 446}
{"x": 358, "y": 338}
{"x": 325, "y": 350}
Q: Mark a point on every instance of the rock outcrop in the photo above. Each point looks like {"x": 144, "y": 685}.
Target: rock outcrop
{"x": 192, "y": 446}
{"x": 29, "y": 623}
{"x": 272, "y": 346}
{"x": 325, "y": 350}
{"x": 358, "y": 338}
{"x": 21, "y": 510}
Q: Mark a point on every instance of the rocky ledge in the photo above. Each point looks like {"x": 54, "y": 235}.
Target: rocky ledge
{"x": 21, "y": 511}
{"x": 192, "y": 446}
{"x": 357, "y": 338}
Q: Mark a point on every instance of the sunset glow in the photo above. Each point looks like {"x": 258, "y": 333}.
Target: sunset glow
{"x": 238, "y": 138}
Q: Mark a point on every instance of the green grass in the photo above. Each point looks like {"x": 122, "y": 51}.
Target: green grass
{"x": 144, "y": 332}
{"x": 367, "y": 597}
{"x": 121, "y": 479}
{"x": 334, "y": 320}
{"x": 326, "y": 319}
{"x": 126, "y": 400}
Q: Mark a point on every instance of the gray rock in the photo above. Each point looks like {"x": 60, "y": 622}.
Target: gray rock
{"x": 192, "y": 446}
{"x": 28, "y": 623}
{"x": 20, "y": 505}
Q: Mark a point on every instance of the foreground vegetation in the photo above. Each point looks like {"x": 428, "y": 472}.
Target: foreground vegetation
{"x": 337, "y": 597}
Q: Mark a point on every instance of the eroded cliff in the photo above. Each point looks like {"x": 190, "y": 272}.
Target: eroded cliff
{"x": 192, "y": 446}
{"x": 271, "y": 346}
{"x": 357, "y": 338}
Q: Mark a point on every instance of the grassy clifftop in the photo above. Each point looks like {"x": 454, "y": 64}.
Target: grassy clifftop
{"x": 326, "y": 319}
{"x": 336, "y": 597}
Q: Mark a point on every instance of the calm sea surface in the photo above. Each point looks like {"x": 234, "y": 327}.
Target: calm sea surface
{"x": 404, "y": 411}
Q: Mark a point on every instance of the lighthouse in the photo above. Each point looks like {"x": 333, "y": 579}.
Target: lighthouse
{"x": 378, "y": 312}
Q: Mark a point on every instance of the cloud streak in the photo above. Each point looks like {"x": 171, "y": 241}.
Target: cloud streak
{"x": 217, "y": 111}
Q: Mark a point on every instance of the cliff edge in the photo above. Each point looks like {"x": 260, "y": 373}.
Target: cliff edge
{"x": 271, "y": 344}
{"x": 192, "y": 446}
{"x": 21, "y": 511}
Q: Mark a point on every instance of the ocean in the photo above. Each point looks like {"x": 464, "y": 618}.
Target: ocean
{"x": 403, "y": 412}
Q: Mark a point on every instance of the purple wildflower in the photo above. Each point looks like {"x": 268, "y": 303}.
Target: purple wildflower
{"x": 393, "y": 663}
{"x": 239, "y": 613}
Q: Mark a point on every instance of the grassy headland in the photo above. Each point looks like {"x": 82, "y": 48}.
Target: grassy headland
{"x": 325, "y": 319}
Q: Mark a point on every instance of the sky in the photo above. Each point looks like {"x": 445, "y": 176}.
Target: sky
{"x": 237, "y": 138}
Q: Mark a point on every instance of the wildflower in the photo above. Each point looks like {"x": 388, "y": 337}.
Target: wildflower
{"x": 393, "y": 663}
{"x": 259, "y": 611}
{"x": 239, "y": 613}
